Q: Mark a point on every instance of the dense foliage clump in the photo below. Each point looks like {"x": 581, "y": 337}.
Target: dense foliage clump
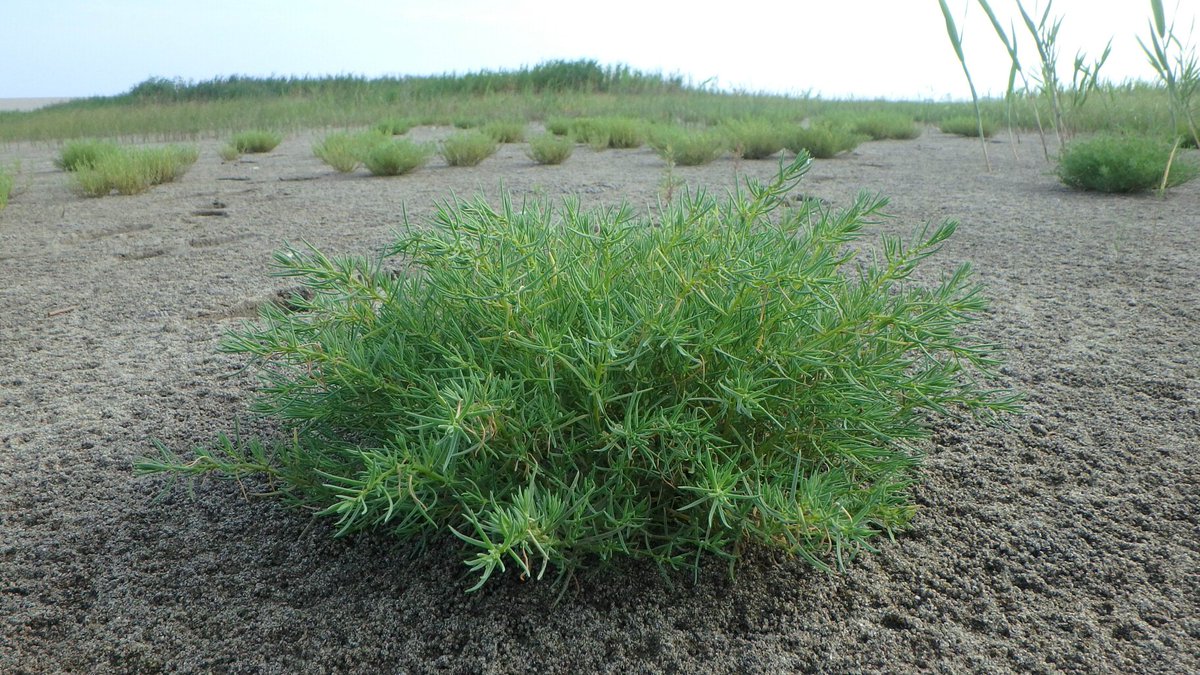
{"x": 1123, "y": 164}
{"x": 560, "y": 387}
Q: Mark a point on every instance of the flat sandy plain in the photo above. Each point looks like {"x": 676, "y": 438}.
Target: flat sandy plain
{"x": 1068, "y": 541}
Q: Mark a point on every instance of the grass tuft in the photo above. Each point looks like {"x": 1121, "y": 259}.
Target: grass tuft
{"x": 468, "y": 148}
{"x": 962, "y": 125}
{"x": 1122, "y": 164}
{"x": 688, "y": 147}
{"x": 822, "y": 140}
{"x": 559, "y": 388}
{"x": 755, "y": 138}
{"x": 393, "y": 158}
{"x": 256, "y": 141}
{"x": 7, "y": 180}
{"x": 130, "y": 171}
{"x": 394, "y": 126}
{"x": 506, "y": 131}
{"x": 550, "y": 149}
{"x": 887, "y": 126}
{"x": 344, "y": 151}
{"x": 77, "y": 155}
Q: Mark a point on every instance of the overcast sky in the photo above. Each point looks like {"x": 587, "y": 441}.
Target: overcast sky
{"x": 834, "y": 48}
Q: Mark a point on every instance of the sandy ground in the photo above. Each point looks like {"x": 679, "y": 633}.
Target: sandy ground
{"x": 1069, "y": 541}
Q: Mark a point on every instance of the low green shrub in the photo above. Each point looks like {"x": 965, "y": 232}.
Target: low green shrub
{"x": 345, "y": 151}
{"x": 130, "y": 171}
{"x": 559, "y": 126}
{"x": 885, "y": 126}
{"x": 79, "y": 154}
{"x": 965, "y": 125}
{"x": 506, "y": 131}
{"x": 602, "y": 133}
{"x": 1121, "y": 164}
{"x": 561, "y": 387}
{"x": 394, "y": 126}
{"x": 755, "y": 138}
{"x": 6, "y": 186}
{"x": 393, "y": 158}
{"x": 821, "y": 139}
{"x": 229, "y": 153}
{"x": 688, "y": 147}
{"x": 468, "y": 148}
{"x": 256, "y": 141}
{"x": 550, "y": 149}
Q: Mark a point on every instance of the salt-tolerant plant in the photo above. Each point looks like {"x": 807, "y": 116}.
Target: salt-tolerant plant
{"x": 881, "y": 126}
{"x": 129, "y": 171}
{"x": 968, "y": 126}
{"x": 559, "y": 387}
{"x": 468, "y": 148}
{"x": 822, "y": 139}
{"x": 393, "y": 158}
{"x": 1122, "y": 164}
{"x": 755, "y": 138}
{"x": 688, "y": 147}
{"x": 344, "y": 151}
{"x": 956, "y": 41}
{"x": 229, "y": 153}
{"x": 550, "y": 149}
{"x": 559, "y": 126}
{"x": 506, "y": 131}
{"x": 256, "y": 141}
{"x": 6, "y": 186}
{"x": 394, "y": 126}
{"x": 79, "y": 154}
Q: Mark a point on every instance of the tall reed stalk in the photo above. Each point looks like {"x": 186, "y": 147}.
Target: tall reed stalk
{"x": 956, "y": 40}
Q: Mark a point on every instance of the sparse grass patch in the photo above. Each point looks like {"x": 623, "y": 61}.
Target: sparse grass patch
{"x": 822, "y": 139}
{"x": 506, "y": 131}
{"x": 967, "y": 126}
{"x": 602, "y": 133}
{"x": 884, "y": 126}
{"x": 345, "y": 151}
{"x": 229, "y": 153}
{"x": 256, "y": 141}
{"x": 129, "y": 171}
{"x": 1122, "y": 164}
{"x": 560, "y": 388}
{"x": 7, "y": 178}
{"x": 468, "y": 148}
{"x": 755, "y": 138}
{"x": 688, "y": 147}
{"x": 559, "y": 126}
{"x": 393, "y": 158}
{"x": 550, "y": 149}
{"x": 76, "y": 155}
{"x": 394, "y": 126}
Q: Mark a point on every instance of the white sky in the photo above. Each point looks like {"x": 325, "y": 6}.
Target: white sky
{"x": 833, "y": 48}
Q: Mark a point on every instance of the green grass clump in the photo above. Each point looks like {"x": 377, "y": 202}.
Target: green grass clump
{"x": 756, "y": 138}
{"x": 130, "y": 171}
{"x": 822, "y": 140}
{"x": 506, "y": 131}
{"x": 684, "y": 147}
{"x": 555, "y": 387}
{"x": 256, "y": 141}
{"x": 345, "y": 151}
{"x": 394, "y": 126}
{"x": 602, "y": 133}
{"x": 468, "y": 148}
{"x": 1122, "y": 164}
{"x": 6, "y": 186}
{"x": 550, "y": 149}
{"x": 559, "y": 126}
{"x": 962, "y": 125}
{"x": 76, "y": 155}
{"x": 393, "y": 158}
{"x": 884, "y": 126}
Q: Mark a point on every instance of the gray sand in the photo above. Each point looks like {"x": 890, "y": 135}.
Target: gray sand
{"x": 1069, "y": 541}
